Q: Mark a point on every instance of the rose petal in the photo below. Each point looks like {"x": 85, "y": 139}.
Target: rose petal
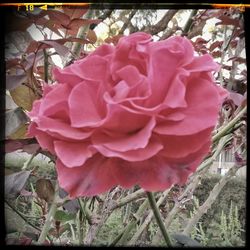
{"x": 45, "y": 141}
{"x": 61, "y": 130}
{"x": 141, "y": 154}
{"x": 85, "y": 106}
{"x": 73, "y": 154}
{"x": 125, "y": 142}
{"x": 92, "y": 178}
{"x": 50, "y": 104}
{"x": 66, "y": 75}
{"x": 182, "y": 146}
{"x": 94, "y": 68}
{"x": 203, "y": 99}
{"x": 155, "y": 174}
{"x": 202, "y": 63}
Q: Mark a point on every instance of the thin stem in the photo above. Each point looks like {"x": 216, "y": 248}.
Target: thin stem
{"x": 81, "y": 34}
{"x": 49, "y": 218}
{"x": 158, "y": 218}
{"x": 46, "y": 66}
{"x": 222, "y": 131}
{"x": 148, "y": 219}
{"x": 27, "y": 163}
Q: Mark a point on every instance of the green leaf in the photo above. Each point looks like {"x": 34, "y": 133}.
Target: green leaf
{"x": 63, "y": 216}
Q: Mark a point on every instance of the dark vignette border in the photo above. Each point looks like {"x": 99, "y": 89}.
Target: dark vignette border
{"x": 178, "y": 4}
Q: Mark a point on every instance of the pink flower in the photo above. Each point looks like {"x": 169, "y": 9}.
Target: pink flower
{"x": 139, "y": 113}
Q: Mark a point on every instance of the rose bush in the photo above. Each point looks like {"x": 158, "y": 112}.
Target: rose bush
{"x": 140, "y": 112}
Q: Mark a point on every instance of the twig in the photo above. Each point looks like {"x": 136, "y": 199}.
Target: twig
{"x": 158, "y": 218}
{"x": 131, "y": 197}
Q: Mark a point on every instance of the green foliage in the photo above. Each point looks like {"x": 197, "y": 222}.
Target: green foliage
{"x": 110, "y": 230}
{"x": 234, "y": 192}
{"x": 226, "y": 233}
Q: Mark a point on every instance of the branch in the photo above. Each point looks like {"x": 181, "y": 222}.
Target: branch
{"x": 210, "y": 200}
{"x": 162, "y": 24}
{"x": 131, "y": 197}
{"x": 148, "y": 219}
{"x": 81, "y": 34}
{"x": 126, "y": 23}
{"x": 189, "y": 23}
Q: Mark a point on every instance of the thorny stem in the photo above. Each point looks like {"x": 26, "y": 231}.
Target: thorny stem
{"x": 27, "y": 163}
{"x": 158, "y": 218}
{"x": 49, "y": 218}
{"x": 81, "y": 34}
{"x": 123, "y": 237}
{"x": 211, "y": 159}
{"x": 222, "y": 131}
{"x": 131, "y": 197}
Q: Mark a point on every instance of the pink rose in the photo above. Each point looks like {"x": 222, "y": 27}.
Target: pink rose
{"x": 141, "y": 112}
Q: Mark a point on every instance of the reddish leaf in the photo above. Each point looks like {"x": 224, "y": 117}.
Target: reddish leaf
{"x": 113, "y": 39}
{"x": 227, "y": 67}
{"x": 57, "y": 44}
{"x": 13, "y": 145}
{"x": 12, "y": 63}
{"x": 32, "y": 48}
{"x": 74, "y": 13}
{"x": 45, "y": 190}
{"x": 215, "y": 45}
{"x": 225, "y": 20}
{"x": 91, "y": 36}
{"x": 50, "y": 24}
{"x": 76, "y": 23}
{"x": 200, "y": 40}
{"x": 60, "y": 49}
{"x": 12, "y": 81}
{"x": 14, "y": 119}
{"x": 216, "y": 53}
{"x": 31, "y": 148}
{"x": 58, "y": 17}
{"x": 14, "y": 183}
